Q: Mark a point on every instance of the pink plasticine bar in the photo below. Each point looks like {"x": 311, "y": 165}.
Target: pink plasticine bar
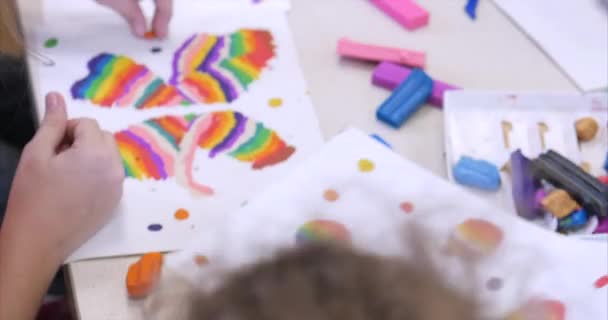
{"x": 357, "y": 50}
{"x": 389, "y": 75}
{"x": 407, "y": 12}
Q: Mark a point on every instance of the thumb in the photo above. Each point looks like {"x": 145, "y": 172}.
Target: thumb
{"x": 53, "y": 126}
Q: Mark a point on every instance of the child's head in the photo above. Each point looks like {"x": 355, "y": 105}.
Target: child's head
{"x": 10, "y": 42}
{"x": 333, "y": 283}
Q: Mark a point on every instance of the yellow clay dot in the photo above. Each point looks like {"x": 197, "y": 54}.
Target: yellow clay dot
{"x": 275, "y": 102}
{"x": 366, "y": 165}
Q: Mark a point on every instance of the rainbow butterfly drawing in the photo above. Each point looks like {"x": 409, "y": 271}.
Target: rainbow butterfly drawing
{"x": 205, "y": 69}
{"x": 164, "y": 147}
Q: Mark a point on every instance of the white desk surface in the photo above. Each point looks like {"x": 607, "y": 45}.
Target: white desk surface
{"x": 490, "y": 53}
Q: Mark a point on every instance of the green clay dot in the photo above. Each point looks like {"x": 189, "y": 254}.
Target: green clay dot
{"x": 51, "y": 43}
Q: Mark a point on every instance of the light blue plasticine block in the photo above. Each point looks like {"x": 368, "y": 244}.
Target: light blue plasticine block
{"x": 478, "y": 174}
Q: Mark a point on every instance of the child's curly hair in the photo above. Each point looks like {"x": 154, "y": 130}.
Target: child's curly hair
{"x": 324, "y": 282}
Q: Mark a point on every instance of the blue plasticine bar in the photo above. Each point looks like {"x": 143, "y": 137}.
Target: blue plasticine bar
{"x": 478, "y": 174}
{"x": 406, "y": 99}
{"x": 471, "y": 8}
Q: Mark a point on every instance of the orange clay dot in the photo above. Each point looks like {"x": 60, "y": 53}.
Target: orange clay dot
{"x": 182, "y": 214}
{"x": 200, "y": 260}
{"x": 150, "y": 35}
{"x": 366, "y": 165}
{"x": 275, "y": 102}
{"x": 331, "y": 195}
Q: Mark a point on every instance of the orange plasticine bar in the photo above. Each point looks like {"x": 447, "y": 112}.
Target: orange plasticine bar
{"x": 143, "y": 275}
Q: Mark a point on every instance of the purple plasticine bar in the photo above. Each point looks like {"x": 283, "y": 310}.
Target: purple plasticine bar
{"x": 524, "y": 186}
{"x": 389, "y": 75}
{"x": 602, "y": 226}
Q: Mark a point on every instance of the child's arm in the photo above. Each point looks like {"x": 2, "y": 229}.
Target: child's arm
{"x": 68, "y": 182}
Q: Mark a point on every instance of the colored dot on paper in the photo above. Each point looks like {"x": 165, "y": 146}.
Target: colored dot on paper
{"x": 322, "y": 231}
{"x": 480, "y": 235}
{"x": 331, "y": 195}
{"x": 200, "y": 260}
{"x": 155, "y": 227}
{"x": 156, "y": 49}
{"x": 494, "y": 284}
{"x": 182, "y": 214}
{"x": 275, "y": 102}
{"x": 407, "y": 207}
{"x": 601, "y": 282}
{"x": 51, "y": 43}
{"x": 366, "y": 165}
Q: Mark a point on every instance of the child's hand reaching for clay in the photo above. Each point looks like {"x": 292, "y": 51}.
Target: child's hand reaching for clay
{"x": 68, "y": 182}
{"x": 132, "y": 12}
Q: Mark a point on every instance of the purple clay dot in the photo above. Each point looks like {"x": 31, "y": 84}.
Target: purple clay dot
{"x": 494, "y": 284}
{"x": 538, "y": 198}
{"x": 155, "y": 227}
{"x": 156, "y": 49}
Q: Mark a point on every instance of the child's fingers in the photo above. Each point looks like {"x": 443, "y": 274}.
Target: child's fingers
{"x": 162, "y": 17}
{"x": 131, "y": 11}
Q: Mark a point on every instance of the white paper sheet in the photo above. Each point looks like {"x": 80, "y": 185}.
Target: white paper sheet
{"x": 573, "y": 33}
{"x": 84, "y": 30}
{"x": 473, "y": 122}
{"x": 374, "y": 206}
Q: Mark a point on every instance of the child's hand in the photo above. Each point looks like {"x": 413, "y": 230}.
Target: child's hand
{"x": 67, "y": 184}
{"x": 131, "y": 11}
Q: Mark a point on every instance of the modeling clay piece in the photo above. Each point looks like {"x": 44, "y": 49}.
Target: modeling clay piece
{"x": 356, "y": 50}
{"x": 576, "y": 220}
{"x": 471, "y": 9}
{"x": 564, "y": 174}
{"x": 606, "y": 163}
{"x": 559, "y": 203}
{"x": 586, "y": 129}
{"x": 524, "y": 186}
{"x": 539, "y": 195}
{"x": 144, "y": 274}
{"x": 603, "y": 179}
{"x": 389, "y": 75}
{"x": 478, "y": 174}
{"x": 408, "y": 13}
{"x": 602, "y": 226}
{"x": 406, "y": 99}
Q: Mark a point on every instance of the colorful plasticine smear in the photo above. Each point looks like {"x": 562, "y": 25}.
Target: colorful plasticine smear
{"x": 322, "y": 231}
{"x": 211, "y": 69}
{"x": 118, "y": 81}
{"x": 539, "y": 310}
{"x": 205, "y": 69}
{"x": 478, "y": 236}
{"x": 164, "y": 147}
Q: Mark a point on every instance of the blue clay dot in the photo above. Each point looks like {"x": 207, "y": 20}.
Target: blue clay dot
{"x": 379, "y": 139}
{"x": 156, "y": 50}
{"x": 155, "y": 227}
